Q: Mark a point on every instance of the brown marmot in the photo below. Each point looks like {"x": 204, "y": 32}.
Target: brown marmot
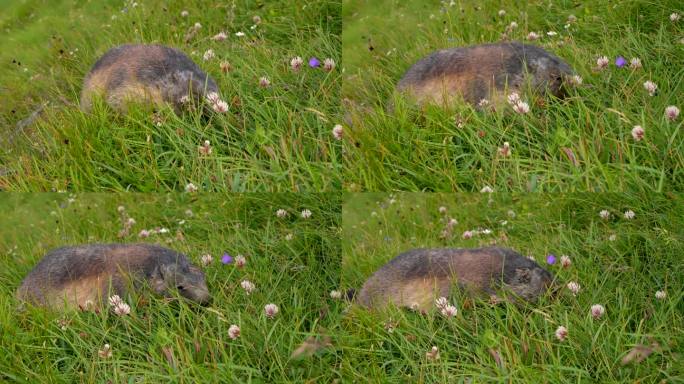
{"x": 146, "y": 73}
{"x": 416, "y": 278}
{"x": 484, "y": 72}
{"x": 74, "y": 276}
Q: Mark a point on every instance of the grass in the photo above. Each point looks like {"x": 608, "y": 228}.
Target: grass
{"x": 177, "y": 341}
{"x": 622, "y": 274}
{"x": 272, "y": 139}
{"x": 581, "y": 143}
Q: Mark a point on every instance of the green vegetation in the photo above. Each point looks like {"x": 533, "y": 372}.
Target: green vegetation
{"x": 276, "y": 138}
{"x": 582, "y": 143}
{"x": 622, "y": 274}
{"x": 177, "y": 341}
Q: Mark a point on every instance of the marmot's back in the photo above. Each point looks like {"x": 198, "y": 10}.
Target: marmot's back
{"x": 417, "y": 277}
{"x": 76, "y": 275}
{"x": 145, "y": 73}
{"x": 488, "y": 71}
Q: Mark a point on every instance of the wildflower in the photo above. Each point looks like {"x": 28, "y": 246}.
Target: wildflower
{"x": 660, "y": 295}
{"x": 205, "y": 148}
{"x": 572, "y": 18}
{"x": 226, "y": 259}
{"x": 219, "y": 37}
{"x": 551, "y": 33}
{"x": 452, "y": 222}
{"x": 482, "y": 103}
{"x": 184, "y": 13}
{"x": 122, "y": 309}
{"x": 233, "y": 331}
{"x": 335, "y": 294}
{"x": 532, "y": 36}
{"x": 651, "y": 87}
{"x": 574, "y": 288}
{"x": 486, "y": 189}
{"x": 271, "y": 310}
{"x": 432, "y": 354}
{"x": 144, "y": 233}
{"x": 289, "y": 237}
{"x": 239, "y": 34}
{"x": 225, "y": 67}
{"x": 338, "y": 131}
{"x": 597, "y": 310}
{"x": 449, "y": 311}
{"x": 209, "y": 54}
{"x": 213, "y": 97}
{"x": 620, "y": 61}
{"x": 671, "y": 112}
{"x": 629, "y": 214}
{"x": 314, "y": 62}
{"x": 281, "y": 213}
{"x": 576, "y": 80}
{"x": 256, "y": 19}
{"x": 604, "y": 214}
{"x": 197, "y": 26}
{"x": 502, "y": 12}
{"x": 602, "y": 62}
{"x": 561, "y": 333}
{"x": 505, "y": 150}
{"x": 248, "y": 286}
{"x": 264, "y": 82}
{"x": 513, "y": 98}
{"x": 220, "y": 106}
{"x": 635, "y": 63}
{"x": 206, "y": 259}
{"x": 240, "y": 261}
{"x": 674, "y": 17}
{"x": 306, "y": 214}
{"x": 120, "y": 209}
{"x": 638, "y": 133}
{"x": 513, "y": 25}
{"x": 105, "y": 352}
{"x": 612, "y": 237}
{"x": 521, "y": 107}
{"x": 442, "y": 209}
{"x": 296, "y": 63}
{"x": 467, "y": 235}
{"x": 190, "y": 188}
{"x": 441, "y": 302}
{"x": 115, "y": 300}
{"x": 565, "y": 261}
{"x": 189, "y": 213}
{"x": 328, "y": 64}
{"x": 511, "y": 213}
{"x": 551, "y": 259}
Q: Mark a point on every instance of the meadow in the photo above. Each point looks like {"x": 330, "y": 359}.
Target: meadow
{"x": 276, "y": 135}
{"x": 581, "y": 143}
{"x": 619, "y": 263}
{"x": 293, "y": 262}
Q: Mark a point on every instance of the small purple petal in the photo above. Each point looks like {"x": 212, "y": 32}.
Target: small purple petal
{"x": 226, "y": 259}
{"x": 314, "y": 62}
{"x": 551, "y": 259}
{"x": 620, "y": 61}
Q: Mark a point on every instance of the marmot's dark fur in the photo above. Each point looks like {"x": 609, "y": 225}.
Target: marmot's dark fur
{"x": 75, "y": 276}
{"x": 416, "y": 278}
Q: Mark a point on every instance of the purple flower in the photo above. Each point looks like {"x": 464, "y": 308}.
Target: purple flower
{"x": 551, "y": 259}
{"x": 227, "y": 259}
{"x": 314, "y": 62}
{"x": 620, "y": 61}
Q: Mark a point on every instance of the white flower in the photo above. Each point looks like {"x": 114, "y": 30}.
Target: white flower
{"x": 576, "y": 80}
{"x": 184, "y": 13}
{"x": 604, "y": 214}
{"x": 482, "y": 103}
{"x": 597, "y": 310}
{"x": 674, "y": 17}
{"x": 449, "y": 311}
{"x": 574, "y": 288}
{"x": 233, "y": 331}
{"x": 122, "y": 309}
{"x": 206, "y": 259}
{"x": 115, "y": 300}
{"x": 602, "y": 62}
{"x": 565, "y": 261}
{"x": 635, "y": 63}
{"x": 336, "y": 294}
{"x": 197, "y": 25}
{"x": 505, "y": 150}
{"x": 219, "y": 37}
{"x": 612, "y": 237}
{"x": 338, "y": 132}
{"x": 442, "y": 209}
{"x": 120, "y": 208}
{"x": 190, "y": 188}
{"x": 248, "y": 286}
{"x": 551, "y": 33}
{"x": 486, "y": 189}
{"x": 441, "y": 302}
{"x": 271, "y": 310}
{"x": 296, "y": 63}
{"x": 532, "y": 36}
{"x": 264, "y": 82}
{"x": 209, "y": 54}
{"x": 306, "y": 214}
{"x": 281, "y": 213}
{"x": 106, "y": 352}
{"x": 467, "y": 235}
{"x": 513, "y": 25}
{"x": 328, "y": 64}
{"x": 511, "y": 213}
{"x": 289, "y": 237}
{"x": 213, "y": 97}
{"x": 651, "y": 87}
{"x": 629, "y": 214}
{"x": 144, "y": 233}
{"x": 660, "y": 295}
{"x": 561, "y": 333}
{"x": 220, "y": 106}
{"x": 240, "y": 261}
{"x": 433, "y": 353}
{"x": 513, "y": 98}
{"x": 671, "y": 112}
{"x": 239, "y": 34}
{"x": 521, "y": 107}
{"x": 638, "y": 133}
{"x": 502, "y": 12}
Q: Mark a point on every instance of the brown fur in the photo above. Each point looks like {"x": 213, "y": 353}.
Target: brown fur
{"x": 416, "y": 278}
{"x": 490, "y": 71}
{"x": 151, "y": 74}
{"x": 77, "y": 276}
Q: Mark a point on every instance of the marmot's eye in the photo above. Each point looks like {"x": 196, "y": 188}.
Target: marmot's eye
{"x": 180, "y": 287}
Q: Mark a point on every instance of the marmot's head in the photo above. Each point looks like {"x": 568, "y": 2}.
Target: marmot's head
{"x": 529, "y": 282}
{"x": 187, "y": 279}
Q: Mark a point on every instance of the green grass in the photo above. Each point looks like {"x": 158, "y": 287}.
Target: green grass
{"x": 296, "y": 274}
{"x": 422, "y": 149}
{"x": 623, "y": 275}
{"x": 272, "y": 139}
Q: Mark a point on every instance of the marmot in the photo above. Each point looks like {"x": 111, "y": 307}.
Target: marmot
{"x": 146, "y": 73}
{"x": 484, "y": 72}
{"x": 416, "y": 278}
{"x": 75, "y": 276}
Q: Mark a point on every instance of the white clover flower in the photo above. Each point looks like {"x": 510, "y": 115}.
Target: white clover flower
{"x": 532, "y": 36}
{"x": 328, "y": 64}
{"x": 184, "y": 13}
{"x": 239, "y": 34}
{"x": 441, "y": 302}
{"x": 604, "y": 214}
{"x": 513, "y": 98}
{"x": 338, "y": 132}
{"x": 233, "y": 331}
{"x": 248, "y": 286}
{"x": 561, "y": 333}
{"x": 486, "y": 189}
{"x": 296, "y": 63}
{"x": 271, "y": 310}
{"x": 334, "y": 294}
{"x": 671, "y": 112}
{"x": 219, "y": 37}
{"x": 602, "y": 62}
{"x": 449, "y": 311}
{"x": 206, "y": 259}
{"x": 306, "y": 214}
{"x": 521, "y": 107}
{"x": 574, "y": 287}
{"x": 122, "y": 309}
{"x": 565, "y": 261}
{"x": 597, "y": 310}
{"x": 629, "y": 214}
{"x": 208, "y": 55}
{"x": 660, "y": 295}
{"x": 638, "y": 133}
{"x": 635, "y": 63}
{"x": 650, "y": 87}
{"x": 281, "y": 213}
{"x": 240, "y": 261}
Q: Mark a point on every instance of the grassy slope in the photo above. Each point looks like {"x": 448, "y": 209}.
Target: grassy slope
{"x": 623, "y": 275}
{"x": 297, "y": 275}
{"x": 272, "y": 139}
{"x": 424, "y": 150}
